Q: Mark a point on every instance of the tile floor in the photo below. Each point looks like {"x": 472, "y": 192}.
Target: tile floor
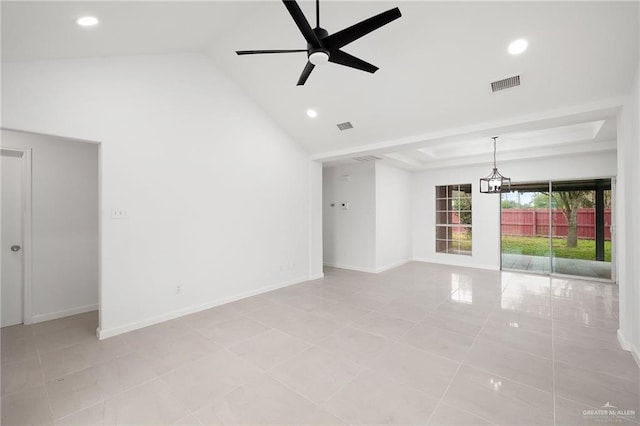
{"x": 419, "y": 344}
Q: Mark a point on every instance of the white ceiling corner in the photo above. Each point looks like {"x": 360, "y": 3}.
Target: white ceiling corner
{"x": 436, "y": 63}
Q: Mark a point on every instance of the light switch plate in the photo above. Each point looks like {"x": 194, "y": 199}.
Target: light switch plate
{"x": 119, "y": 214}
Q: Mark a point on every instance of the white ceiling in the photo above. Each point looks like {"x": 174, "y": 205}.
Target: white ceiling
{"x": 583, "y": 137}
{"x": 36, "y": 30}
{"x": 436, "y": 61}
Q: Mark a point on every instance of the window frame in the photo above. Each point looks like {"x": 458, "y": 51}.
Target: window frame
{"x": 446, "y": 213}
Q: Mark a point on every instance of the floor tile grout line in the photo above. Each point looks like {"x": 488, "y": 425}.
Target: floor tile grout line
{"x": 318, "y": 405}
{"x": 46, "y": 390}
{"x": 462, "y": 363}
{"x": 121, "y": 391}
{"x": 595, "y": 371}
{"x": 522, "y": 351}
{"x": 464, "y": 411}
{"x": 526, "y": 385}
{"x": 103, "y": 400}
{"x": 97, "y": 364}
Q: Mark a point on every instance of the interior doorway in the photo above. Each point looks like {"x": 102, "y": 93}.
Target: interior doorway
{"x": 51, "y": 258}
{"x": 15, "y": 233}
{"x": 559, "y": 227}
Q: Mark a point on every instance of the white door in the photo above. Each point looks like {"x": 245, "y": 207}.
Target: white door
{"x": 11, "y": 238}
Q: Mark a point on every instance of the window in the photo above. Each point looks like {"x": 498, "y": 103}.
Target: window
{"x": 453, "y": 219}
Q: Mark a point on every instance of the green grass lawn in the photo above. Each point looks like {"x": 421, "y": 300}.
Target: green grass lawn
{"x": 463, "y": 239}
{"x": 539, "y": 246}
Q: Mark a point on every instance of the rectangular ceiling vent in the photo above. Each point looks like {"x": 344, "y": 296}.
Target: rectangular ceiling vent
{"x": 345, "y": 126}
{"x": 367, "y": 158}
{"x": 506, "y": 83}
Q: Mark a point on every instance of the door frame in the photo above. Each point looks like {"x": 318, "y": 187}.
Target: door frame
{"x": 613, "y": 279}
{"x": 25, "y": 156}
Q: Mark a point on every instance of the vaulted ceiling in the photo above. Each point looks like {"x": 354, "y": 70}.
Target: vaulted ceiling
{"x": 436, "y": 63}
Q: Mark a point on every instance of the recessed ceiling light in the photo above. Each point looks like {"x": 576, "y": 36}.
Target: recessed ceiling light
{"x": 87, "y": 21}
{"x": 518, "y": 46}
{"x": 312, "y": 113}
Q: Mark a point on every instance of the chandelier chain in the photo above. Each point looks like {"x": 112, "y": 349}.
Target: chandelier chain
{"x": 494, "y": 152}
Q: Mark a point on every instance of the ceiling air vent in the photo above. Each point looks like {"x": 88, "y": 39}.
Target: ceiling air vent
{"x": 506, "y": 83}
{"x": 345, "y": 126}
{"x": 367, "y": 158}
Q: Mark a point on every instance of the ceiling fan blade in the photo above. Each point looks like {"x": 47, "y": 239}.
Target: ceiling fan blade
{"x": 354, "y": 32}
{"x": 258, "y": 52}
{"x": 301, "y": 22}
{"x": 343, "y": 58}
{"x": 305, "y": 73}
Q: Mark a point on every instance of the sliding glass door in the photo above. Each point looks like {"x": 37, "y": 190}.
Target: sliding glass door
{"x": 559, "y": 227}
{"x": 525, "y": 228}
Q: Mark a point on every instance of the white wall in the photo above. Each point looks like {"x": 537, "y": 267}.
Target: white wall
{"x": 486, "y": 207}
{"x": 393, "y": 216}
{"x": 628, "y": 212}
{"x": 349, "y": 235}
{"x": 315, "y": 220}
{"x": 218, "y": 195}
{"x": 374, "y": 233}
{"x": 65, "y": 228}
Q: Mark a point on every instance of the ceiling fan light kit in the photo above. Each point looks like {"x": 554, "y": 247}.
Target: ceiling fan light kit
{"x": 323, "y": 47}
{"x": 319, "y": 57}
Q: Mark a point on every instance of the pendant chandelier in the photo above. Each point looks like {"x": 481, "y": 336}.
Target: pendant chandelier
{"x": 495, "y": 183}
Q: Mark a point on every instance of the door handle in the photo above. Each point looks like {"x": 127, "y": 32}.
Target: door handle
{"x": 15, "y": 248}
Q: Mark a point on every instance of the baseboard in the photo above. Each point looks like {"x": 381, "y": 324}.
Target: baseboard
{"x": 368, "y": 270}
{"x": 392, "y": 265}
{"x": 316, "y": 276}
{"x": 110, "y": 332}
{"x": 64, "y": 313}
{"x": 629, "y": 347}
{"x": 457, "y": 263}
{"x": 351, "y": 268}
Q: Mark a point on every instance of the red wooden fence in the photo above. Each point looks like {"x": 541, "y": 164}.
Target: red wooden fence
{"x": 535, "y": 222}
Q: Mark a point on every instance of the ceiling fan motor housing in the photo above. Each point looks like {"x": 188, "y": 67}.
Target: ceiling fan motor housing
{"x": 318, "y": 54}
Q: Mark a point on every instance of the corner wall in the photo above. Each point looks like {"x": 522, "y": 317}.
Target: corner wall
{"x": 393, "y": 216}
{"x": 372, "y": 233}
{"x": 349, "y": 233}
{"x": 628, "y": 212}
{"x": 217, "y": 194}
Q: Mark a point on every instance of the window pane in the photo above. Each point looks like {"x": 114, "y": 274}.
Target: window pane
{"x": 453, "y": 219}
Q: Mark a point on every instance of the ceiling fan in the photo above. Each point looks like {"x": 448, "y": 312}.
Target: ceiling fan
{"x": 324, "y": 47}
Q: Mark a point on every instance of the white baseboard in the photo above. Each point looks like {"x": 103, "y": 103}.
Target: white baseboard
{"x": 457, "y": 263}
{"x": 351, "y": 268}
{"x": 392, "y": 265}
{"x": 114, "y": 331}
{"x": 368, "y": 270}
{"x": 627, "y": 346}
{"x": 316, "y": 276}
{"x": 63, "y": 313}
